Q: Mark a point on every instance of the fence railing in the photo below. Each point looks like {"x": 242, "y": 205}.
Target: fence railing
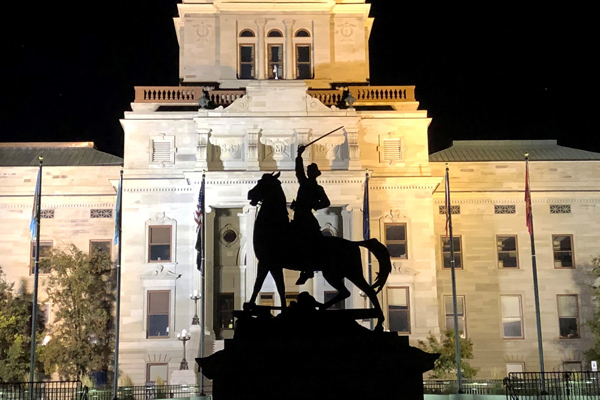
{"x": 75, "y": 391}
{"x": 583, "y": 385}
{"x": 189, "y": 95}
{"x": 490, "y": 386}
{"x": 41, "y": 391}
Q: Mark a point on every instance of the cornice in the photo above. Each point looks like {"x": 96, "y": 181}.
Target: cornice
{"x": 551, "y": 200}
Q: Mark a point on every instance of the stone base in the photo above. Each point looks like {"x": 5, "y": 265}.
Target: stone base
{"x": 307, "y": 354}
{"x": 183, "y": 377}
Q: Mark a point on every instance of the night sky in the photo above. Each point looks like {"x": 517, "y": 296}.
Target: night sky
{"x": 492, "y": 72}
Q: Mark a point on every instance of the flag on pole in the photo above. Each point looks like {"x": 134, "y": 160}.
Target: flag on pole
{"x": 366, "y": 219}
{"x": 35, "y": 213}
{"x": 199, "y": 219}
{"x": 447, "y": 200}
{"x": 528, "y": 213}
{"x": 118, "y": 211}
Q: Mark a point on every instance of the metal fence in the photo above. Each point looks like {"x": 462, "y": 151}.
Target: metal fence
{"x": 75, "y": 391}
{"x": 490, "y": 386}
{"x": 583, "y": 385}
{"x": 41, "y": 391}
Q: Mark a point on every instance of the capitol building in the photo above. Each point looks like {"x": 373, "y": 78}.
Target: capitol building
{"x": 258, "y": 79}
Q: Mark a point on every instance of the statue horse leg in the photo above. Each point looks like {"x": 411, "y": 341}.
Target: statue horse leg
{"x": 355, "y": 276}
{"x": 261, "y": 274}
{"x": 337, "y": 282}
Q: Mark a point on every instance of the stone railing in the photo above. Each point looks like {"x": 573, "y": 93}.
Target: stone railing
{"x": 189, "y": 95}
{"x": 366, "y": 94}
{"x": 184, "y": 95}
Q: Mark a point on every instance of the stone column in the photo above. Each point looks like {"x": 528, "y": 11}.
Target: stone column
{"x": 202, "y": 148}
{"x": 252, "y": 156}
{"x": 353, "y": 149}
{"x": 260, "y": 48}
{"x": 289, "y": 48}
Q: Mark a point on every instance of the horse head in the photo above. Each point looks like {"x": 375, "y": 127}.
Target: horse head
{"x": 264, "y": 186}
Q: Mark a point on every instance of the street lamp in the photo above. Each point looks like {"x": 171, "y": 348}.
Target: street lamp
{"x": 184, "y": 336}
{"x": 195, "y": 296}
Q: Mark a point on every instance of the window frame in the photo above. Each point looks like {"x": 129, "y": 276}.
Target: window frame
{"x": 92, "y": 241}
{"x": 269, "y": 64}
{"x": 516, "y": 250}
{"x": 43, "y": 243}
{"x": 241, "y": 34}
{"x": 149, "y": 248}
{"x": 408, "y": 308}
{"x": 464, "y": 314}
{"x": 297, "y": 63}
{"x": 149, "y": 365}
{"x": 276, "y": 33}
{"x": 460, "y": 253}
{"x": 297, "y": 33}
{"x": 521, "y": 318}
{"x": 385, "y": 225}
{"x": 148, "y": 293}
{"x": 554, "y": 252}
{"x": 240, "y": 62}
{"x": 576, "y": 297}
{"x": 522, "y": 364}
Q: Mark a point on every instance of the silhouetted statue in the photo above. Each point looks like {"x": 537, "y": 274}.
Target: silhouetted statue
{"x": 277, "y": 246}
{"x": 311, "y": 196}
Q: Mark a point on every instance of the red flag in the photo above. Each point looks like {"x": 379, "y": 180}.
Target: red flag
{"x": 528, "y": 213}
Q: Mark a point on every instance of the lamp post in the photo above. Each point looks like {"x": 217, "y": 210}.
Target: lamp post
{"x": 195, "y": 296}
{"x": 184, "y": 336}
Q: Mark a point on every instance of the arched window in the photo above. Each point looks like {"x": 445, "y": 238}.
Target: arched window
{"x": 246, "y": 33}
{"x": 275, "y": 33}
{"x": 302, "y": 33}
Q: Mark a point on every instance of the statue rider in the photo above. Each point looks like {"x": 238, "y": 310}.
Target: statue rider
{"x": 311, "y": 196}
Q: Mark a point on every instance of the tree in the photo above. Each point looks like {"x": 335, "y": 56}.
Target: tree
{"x": 15, "y": 332}
{"x": 593, "y": 353}
{"x": 446, "y": 365}
{"x": 82, "y": 333}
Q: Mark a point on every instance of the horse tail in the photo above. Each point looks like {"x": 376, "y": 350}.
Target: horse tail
{"x": 383, "y": 257}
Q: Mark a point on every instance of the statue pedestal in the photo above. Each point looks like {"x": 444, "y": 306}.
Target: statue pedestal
{"x": 183, "y": 377}
{"x": 309, "y": 354}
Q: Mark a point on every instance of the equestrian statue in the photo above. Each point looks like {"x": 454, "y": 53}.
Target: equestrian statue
{"x": 299, "y": 245}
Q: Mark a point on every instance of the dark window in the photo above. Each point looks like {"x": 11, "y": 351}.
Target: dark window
{"x": 395, "y": 240}
{"x": 159, "y": 243}
{"x": 568, "y": 316}
{"x": 398, "y": 310}
{"x": 507, "y": 252}
{"x": 45, "y": 267}
{"x": 572, "y": 366}
{"x": 275, "y": 33}
{"x": 225, "y": 311}
{"x": 289, "y": 297}
{"x": 340, "y": 305}
{"x": 101, "y": 246}
{"x": 302, "y": 33}
{"x": 562, "y": 246}
{"x": 247, "y": 62}
{"x": 275, "y": 60}
{"x": 457, "y": 252}
{"x": 159, "y": 304}
{"x": 246, "y": 33}
{"x": 303, "y": 64}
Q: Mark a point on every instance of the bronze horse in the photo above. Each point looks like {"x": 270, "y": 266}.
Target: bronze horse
{"x": 277, "y": 246}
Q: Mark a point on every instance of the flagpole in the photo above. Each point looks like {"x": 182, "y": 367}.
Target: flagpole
{"x": 201, "y": 267}
{"x": 34, "y": 307}
{"x": 367, "y": 234}
{"x": 453, "y": 273}
{"x": 118, "y": 231}
{"x": 529, "y": 216}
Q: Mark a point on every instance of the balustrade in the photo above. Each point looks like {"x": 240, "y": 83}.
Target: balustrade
{"x": 191, "y": 94}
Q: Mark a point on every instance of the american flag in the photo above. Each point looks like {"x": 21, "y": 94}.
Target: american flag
{"x": 528, "y": 213}
{"x": 199, "y": 219}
